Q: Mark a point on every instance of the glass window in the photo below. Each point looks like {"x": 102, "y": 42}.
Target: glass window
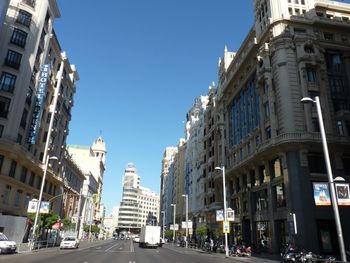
{"x": 24, "y": 18}
{"x": 29, "y": 2}
{"x": 280, "y": 195}
{"x": 12, "y": 170}
{"x": 19, "y": 37}
{"x": 311, "y": 75}
{"x": 7, "y": 194}
{"x": 316, "y": 163}
{"x": 13, "y": 59}
{"x": 31, "y": 179}
{"x": 29, "y": 96}
{"x": 1, "y": 161}
{"x": 261, "y": 200}
{"x": 24, "y": 118}
{"x": 267, "y": 110}
{"x": 24, "y": 174}
{"x": 7, "y": 82}
{"x": 18, "y": 198}
{"x": 276, "y": 167}
{"x": 340, "y": 128}
{"x": 4, "y": 106}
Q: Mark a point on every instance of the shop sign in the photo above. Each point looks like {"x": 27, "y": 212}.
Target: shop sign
{"x": 219, "y": 215}
{"x": 321, "y": 194}
{"x": 343, "y": 193}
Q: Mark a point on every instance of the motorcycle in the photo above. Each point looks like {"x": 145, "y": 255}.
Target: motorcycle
{"x": 289, "y": 254}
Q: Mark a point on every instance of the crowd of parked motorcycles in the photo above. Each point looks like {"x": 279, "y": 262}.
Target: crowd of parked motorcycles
{"x": 290, "y": 254}
{"x": 235, "y": 250}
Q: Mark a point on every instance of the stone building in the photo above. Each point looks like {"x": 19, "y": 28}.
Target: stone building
{"x": 37, "y": 87}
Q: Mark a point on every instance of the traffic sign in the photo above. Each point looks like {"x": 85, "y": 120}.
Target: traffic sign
{"x": 226, "y": 227}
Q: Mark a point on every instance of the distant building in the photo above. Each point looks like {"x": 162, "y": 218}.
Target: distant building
{"x": 91, "y": 160}
{"x": 111, "y": 222}
{"x": 139, "y": 205}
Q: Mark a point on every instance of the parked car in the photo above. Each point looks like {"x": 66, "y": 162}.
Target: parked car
{"x": 136, "y": 239}
{"x": 69, "y": 242}
{"x": 7, "y": 246}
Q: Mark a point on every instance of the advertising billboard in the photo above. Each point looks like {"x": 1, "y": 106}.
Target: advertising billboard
{"x": 321, "y": 194}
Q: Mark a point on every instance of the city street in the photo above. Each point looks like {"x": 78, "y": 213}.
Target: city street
{"x": 123, "y": 251}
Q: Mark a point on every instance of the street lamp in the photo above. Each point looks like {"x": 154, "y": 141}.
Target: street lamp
{"x": 48, "y": 158}
{"x": 225, "y": 214}
{"x": 174, "y": 205}
{"x": 330, "y": 175}
{"x": 163, "y": 212}
{"x": 186, "y": 198}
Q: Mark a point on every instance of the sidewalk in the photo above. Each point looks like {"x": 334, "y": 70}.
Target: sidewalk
{"x": 268, "y": 258}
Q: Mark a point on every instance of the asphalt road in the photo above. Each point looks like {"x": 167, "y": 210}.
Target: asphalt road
{"x": 121, "y": 251}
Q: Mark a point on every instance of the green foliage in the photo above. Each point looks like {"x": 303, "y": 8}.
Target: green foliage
{"x": 94, "y": 228}
{"x": 202, "y": 230}
{"x": 44, "y": 220}
{"x": 168, "y": 233}
{"x": 67, "y": 223}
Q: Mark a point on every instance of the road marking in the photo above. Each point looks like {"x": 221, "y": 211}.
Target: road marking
{"x": 112, "y": 247}
{"x": 132, "y": 247}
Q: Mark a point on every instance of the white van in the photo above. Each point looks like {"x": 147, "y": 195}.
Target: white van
{"x": 7, "y": 246}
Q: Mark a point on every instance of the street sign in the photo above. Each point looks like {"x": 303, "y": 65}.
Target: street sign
{"x": 33, "y": 204}
{"x": 176, "y": 227}
{"x": 183, "y": 224}
{"x": 226, "y": 227}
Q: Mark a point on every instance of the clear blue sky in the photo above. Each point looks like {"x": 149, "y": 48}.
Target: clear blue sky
{"x": 141, "y": 65}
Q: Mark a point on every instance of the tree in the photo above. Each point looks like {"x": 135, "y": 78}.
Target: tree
{"x": 202, "y": 230}
{"x": 44, "y": 220}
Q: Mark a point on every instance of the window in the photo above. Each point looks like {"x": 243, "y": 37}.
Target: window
{"x": 267, "y": 110}
{"x": 19, "y": 37}
{"x": 24, "y": 119}
{"x": 38, "y": 182}
{"x": 328, "y": 36}
{"x": 7, "y": 194}
{"x": 1, "y": 161}
{"x": 261, "y": 200}
{"x": 13, "y": 59}
{"x": 316, "y": 163}
{"x": 24, "y": 18}
{"x": 311, "y": 75}
{"x": 31, "y": 179}
{"x": 24, "y": 174}
{"x": 7, "y": 82}
{"x": 4, "y": 106}
{"x": 268, "y": 132}
{"x": 12, "y": 171}
{"x": 309, "y": 49}
{"x": 340, "y": 128}
{"x": 18, "y": 198}
{"x": 1, "y": 130}
{"x": 29, "y": 96}
{"x": 280, "y": 195}
{"x": 276, "y": 167}
{"x": 29, "y": 2}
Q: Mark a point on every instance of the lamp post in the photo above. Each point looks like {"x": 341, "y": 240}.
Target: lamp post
{"x": 186, "y": 198}
{"x": 225, "y": 214}
{"x": 330, "y": 175}
{"x": 48, "y": 158}
{"x": 163, "y": 212}
{"x": 174, "y": 205}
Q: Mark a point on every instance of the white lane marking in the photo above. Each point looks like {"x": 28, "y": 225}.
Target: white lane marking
{"x": 111, "y": 247}
{"x": 132, "y": 247}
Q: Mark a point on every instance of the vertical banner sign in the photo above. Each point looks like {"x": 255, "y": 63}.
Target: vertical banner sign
{"x": 321, "y": 194}
{"x": 38, "y": 102}
{"x": 343, "y": 193}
